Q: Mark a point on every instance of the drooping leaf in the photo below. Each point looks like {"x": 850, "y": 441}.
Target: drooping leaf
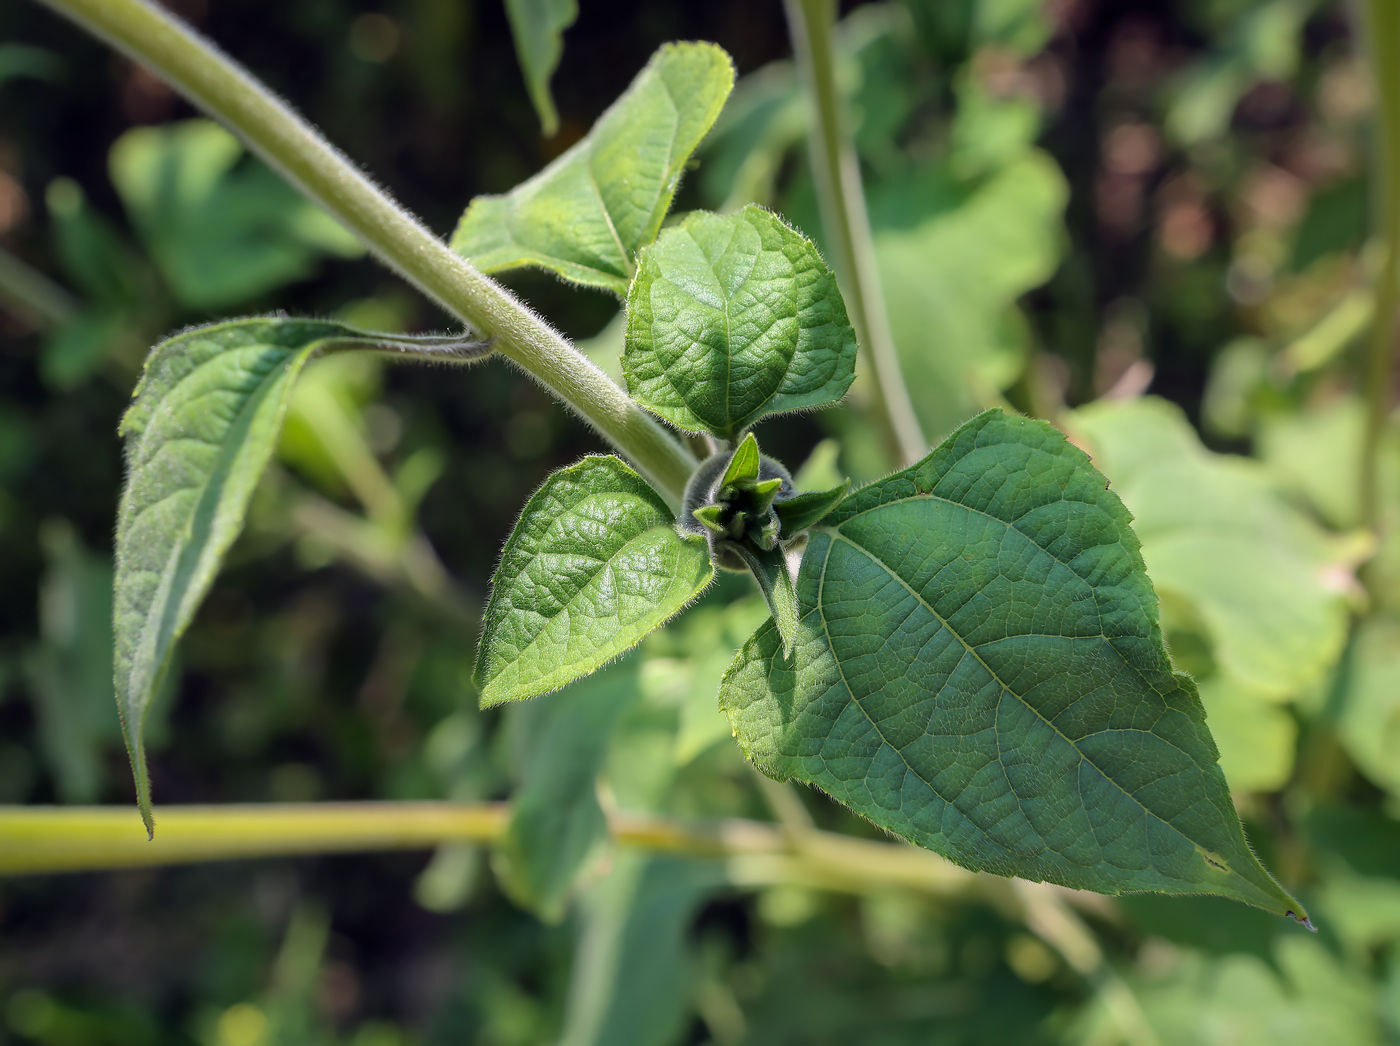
{"x": 593, "y": 565}
{"x": 980, "y": 670}
{"x": 538, "y": 27}
{"x": 221, "y": 228}
{"x": 634, "y": 961}
{"x": 587, "y": 214}
{"x": 556, "y": 823}
{"x": 732, "y": 317}
{"x": 202, "y": 425}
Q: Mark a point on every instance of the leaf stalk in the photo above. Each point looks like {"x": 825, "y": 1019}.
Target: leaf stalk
{"x": 273, "y": 130}
{"x": 841, "y": 198}
{"x": 1382, "y": 19}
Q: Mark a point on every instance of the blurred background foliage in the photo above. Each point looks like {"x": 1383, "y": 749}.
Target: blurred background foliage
{"x": 1145, "y": 222}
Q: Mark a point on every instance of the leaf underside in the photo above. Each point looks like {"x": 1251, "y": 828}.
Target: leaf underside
{"x": 732, "y": 317}
{"x": 593, "y": 565}
{"x": 201, "y": 428}
{"x": 980, "y": 670}
{"x": 586, "y": 215}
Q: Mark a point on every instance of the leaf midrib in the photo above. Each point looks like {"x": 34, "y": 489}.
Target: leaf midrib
{"x": 1084, "y": 759}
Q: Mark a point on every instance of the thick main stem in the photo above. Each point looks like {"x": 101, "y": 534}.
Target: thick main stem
{"x": 836, "y": 171}
{"x": 217, "y": 84}
{"x": 1383, "y": 33}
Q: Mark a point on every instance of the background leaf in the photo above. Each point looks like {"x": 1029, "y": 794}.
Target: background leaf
{"x": 980, "y": 670}
{"x": 593, "y": 565}
{"x": 560, "y": 742}
{"x": 1245, "y": 578}
{"x": 586, "y": 215}
{"x": 732, "y": 317}
{"x": 538, "y": 27}
{"x": 203, "y": 423}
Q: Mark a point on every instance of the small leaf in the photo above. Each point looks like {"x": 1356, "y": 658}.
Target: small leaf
{"x": 732, "y": 317}
{"x": 769, "y": 569}
{"x": 593, "y": 565}
{"x": 711, "y": 517}
{"x": 979, "y": 669}
{"x": 203, "y": 423}
{"x": 538, "y": 27}
{"x": 802, "y": 511}
{"x": 587, "y": 214}
{"x": 743, "y": 466}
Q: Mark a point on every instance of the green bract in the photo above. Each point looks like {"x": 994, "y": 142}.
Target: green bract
{"x": 587, "y": 214}
{"x": 202, "y": 425}
{"x": 732, "y": 317}
{"x": 979, "y": 669}
{"x": 593, "y": 565}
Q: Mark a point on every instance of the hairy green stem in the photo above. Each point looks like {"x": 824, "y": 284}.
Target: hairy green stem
{"x": 217, "y": 84}
{"x": 836, "y": 171}
{"x": 1383, "y": 34}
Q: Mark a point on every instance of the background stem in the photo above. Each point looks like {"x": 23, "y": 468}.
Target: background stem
{"x": 836, "y": 170}
{"x": 1383, "y": 36}
{"x": 221, "y": 87}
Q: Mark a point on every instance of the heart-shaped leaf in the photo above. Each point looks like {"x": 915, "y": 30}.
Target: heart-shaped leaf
{"x": 587, "y": 214}
{"x": 202, "y": 425}
{"x": 732, "y": 317}
{"x": 595, "y": 563}
{"x": 979, "y": 669}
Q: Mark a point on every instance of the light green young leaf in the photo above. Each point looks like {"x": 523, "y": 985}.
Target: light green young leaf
{"x": 980, "y": 670}
{"x": 805, "y": 510}
{"x": 593, "y": 565}
{"x": 732, "y": 317}
{"x": 538, "y": 27}
{"x": 587, "y": 214}
{"x": 556, "y": 823}
{"x": 202, "y": 425}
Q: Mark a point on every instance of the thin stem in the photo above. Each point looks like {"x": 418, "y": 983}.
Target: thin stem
{"x": 1383, "y": 33}
{"x": 28, "y": 291}
{"x": 836, "y": 170}
{"x": 221, "y": 87}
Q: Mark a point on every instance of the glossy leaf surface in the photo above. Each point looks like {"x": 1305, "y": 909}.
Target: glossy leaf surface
{"x": 980, "y": 670}
{"x": 732, "y": 317}
{"x": 586, "y": 215}
{"x": 538, "y": 27}
{"x": 593, "y": 565}
{"x": 202, "y": 425}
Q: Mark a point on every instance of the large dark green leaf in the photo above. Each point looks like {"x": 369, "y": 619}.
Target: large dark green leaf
{"x": 980, "y": 670}
{"x": 586, "y": 215}
{"x": 732, "y": 317}
{"x": 595, "y": 563}
{"x": 202, "y": 425}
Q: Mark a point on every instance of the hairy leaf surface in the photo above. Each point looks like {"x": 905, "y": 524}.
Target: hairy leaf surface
{"x": 732, "y": 317}
{"x": 980, "y": 670}
{"x": 538, "y": 27}
{"x": 587, "y": 214}
{"x": 202, "y": 425}
{"x": 593, "y": 565}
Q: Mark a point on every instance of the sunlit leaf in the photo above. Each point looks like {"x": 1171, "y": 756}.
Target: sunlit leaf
{"x": 587, "y": 214}
{"x": 203, "y": 422}
{"x": 980, "y": 670}
{"x": 593, "y": 565}
{"x": 538, "y": 27}
{"x": 732, "y": 317}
